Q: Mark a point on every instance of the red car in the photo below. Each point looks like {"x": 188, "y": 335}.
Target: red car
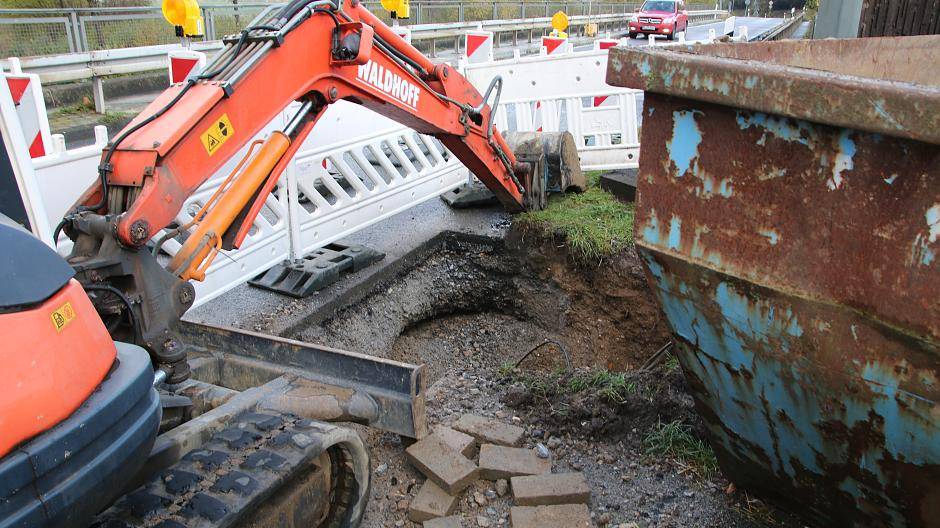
{"x": 660, "y": 17}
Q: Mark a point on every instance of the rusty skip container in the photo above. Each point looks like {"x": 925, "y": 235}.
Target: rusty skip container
{"x": 789, "y": 220}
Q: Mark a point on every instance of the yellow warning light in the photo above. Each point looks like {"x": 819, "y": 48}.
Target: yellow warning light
{"x": 397, "y": 8}
{"x": 560, "y": 21}
{"x": 185, "y": 15}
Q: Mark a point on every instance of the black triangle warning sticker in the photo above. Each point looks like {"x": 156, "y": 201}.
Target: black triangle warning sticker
{"x": 212, "y": 142}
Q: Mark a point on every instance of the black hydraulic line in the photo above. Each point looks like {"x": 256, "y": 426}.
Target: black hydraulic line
{"x": 498, "y": 83}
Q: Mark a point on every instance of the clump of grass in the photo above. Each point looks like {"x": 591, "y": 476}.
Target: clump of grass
{"x": 110, "y": 118}
{"x": 83, "y": 107}
{"x": 594, "y": 224}
{"x": 612, "y": 386}
{"x": 505, "y": 370}
{"x": 672, "y": 363}
{"x": 675, "y": 440}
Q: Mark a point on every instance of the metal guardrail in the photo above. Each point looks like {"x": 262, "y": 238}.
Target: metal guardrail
{"x": 784, "y": 29}
{"x": 31, "y": 32}
{"x": 101, "y": 63}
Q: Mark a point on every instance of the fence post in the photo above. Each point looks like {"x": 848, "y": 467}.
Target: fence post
{"x": 97, "y": 90}
{"x": 210, "y": 23}
{"x": 495, "y": 11}
{"x": 521, "y": 9}
{"x": 78, "y": 32}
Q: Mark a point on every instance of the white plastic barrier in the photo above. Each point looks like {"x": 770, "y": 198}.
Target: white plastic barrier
{"x": 567, "y": 92}
{"x": 729, "y": 26}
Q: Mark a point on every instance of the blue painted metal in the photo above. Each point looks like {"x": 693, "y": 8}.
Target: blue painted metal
{"x": 793, "y": 251}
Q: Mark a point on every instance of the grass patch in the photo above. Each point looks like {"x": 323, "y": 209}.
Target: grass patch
{"x": 86, "y": 107}
{"x": 675, "y": 440}
{"x": 672, "y": 363}
{"x": 613, "y": 386}
{"x": 594, "y": 224}
{"x": 77, "y": 108}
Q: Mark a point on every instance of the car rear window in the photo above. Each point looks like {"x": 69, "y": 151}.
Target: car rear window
{"x": 659, "y": 5}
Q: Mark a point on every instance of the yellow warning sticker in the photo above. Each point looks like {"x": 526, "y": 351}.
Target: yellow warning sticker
{"x": 217, "y": 134}
{"x": 63, "y": 316}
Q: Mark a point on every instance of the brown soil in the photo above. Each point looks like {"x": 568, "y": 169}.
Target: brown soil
{"x": 612, "y": 320}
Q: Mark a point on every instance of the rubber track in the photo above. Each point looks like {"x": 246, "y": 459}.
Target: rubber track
{"x": 235, "y": 471}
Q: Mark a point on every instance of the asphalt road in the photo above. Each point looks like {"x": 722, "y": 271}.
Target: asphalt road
{"x": 755, "y": 26}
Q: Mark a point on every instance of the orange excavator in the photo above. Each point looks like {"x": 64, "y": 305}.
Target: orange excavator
{"x": 97, "y": 358}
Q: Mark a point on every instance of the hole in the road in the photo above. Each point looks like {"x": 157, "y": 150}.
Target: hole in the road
{"x": 464, "y": 302}
{"x": 468, "y": 302}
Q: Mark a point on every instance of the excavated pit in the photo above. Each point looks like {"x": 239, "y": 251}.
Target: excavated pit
{"x": 466, "y": 307}
{"x": 467, "y": 302}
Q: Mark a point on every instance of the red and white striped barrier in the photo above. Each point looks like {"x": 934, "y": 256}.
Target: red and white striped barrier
{"x": 404, "y": 32}
{"x": 478, "y": 46}
{"x": 30, "y": 109}
{"x": 184, "y": 63}
{"x": 555, "y": 46}
{"x": 538, "y": 120}
{"x": 606, "y": 43}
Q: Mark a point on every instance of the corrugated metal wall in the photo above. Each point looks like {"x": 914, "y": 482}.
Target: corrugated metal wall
{"x": 889, "y": 18}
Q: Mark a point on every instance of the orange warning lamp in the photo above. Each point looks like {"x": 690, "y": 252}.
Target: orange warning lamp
{"x": 185, "y": 15}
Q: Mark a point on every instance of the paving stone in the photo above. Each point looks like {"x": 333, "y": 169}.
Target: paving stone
{"x": 490, "y": 431}
{"x": 441, "y": 463}
{"x": 461, "y": 442}
{"x": 431, "y": 502}
{"x": 548, "y": 489}
{"x": 499, "y": 462}
{"x": 558, "y": 516}
{"x": 444, "y": 522}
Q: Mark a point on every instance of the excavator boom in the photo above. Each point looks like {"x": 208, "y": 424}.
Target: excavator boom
{"x": 307, "y": 53}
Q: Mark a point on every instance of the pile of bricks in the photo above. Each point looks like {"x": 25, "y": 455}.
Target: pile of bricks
{"x": 541, "y": 499}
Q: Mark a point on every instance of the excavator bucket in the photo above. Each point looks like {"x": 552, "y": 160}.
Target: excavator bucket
{"x": 553, "y": 157}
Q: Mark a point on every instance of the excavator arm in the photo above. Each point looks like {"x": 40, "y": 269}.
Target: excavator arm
{"x": 313, "y": 52}
{"x": 316, "y": 54}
